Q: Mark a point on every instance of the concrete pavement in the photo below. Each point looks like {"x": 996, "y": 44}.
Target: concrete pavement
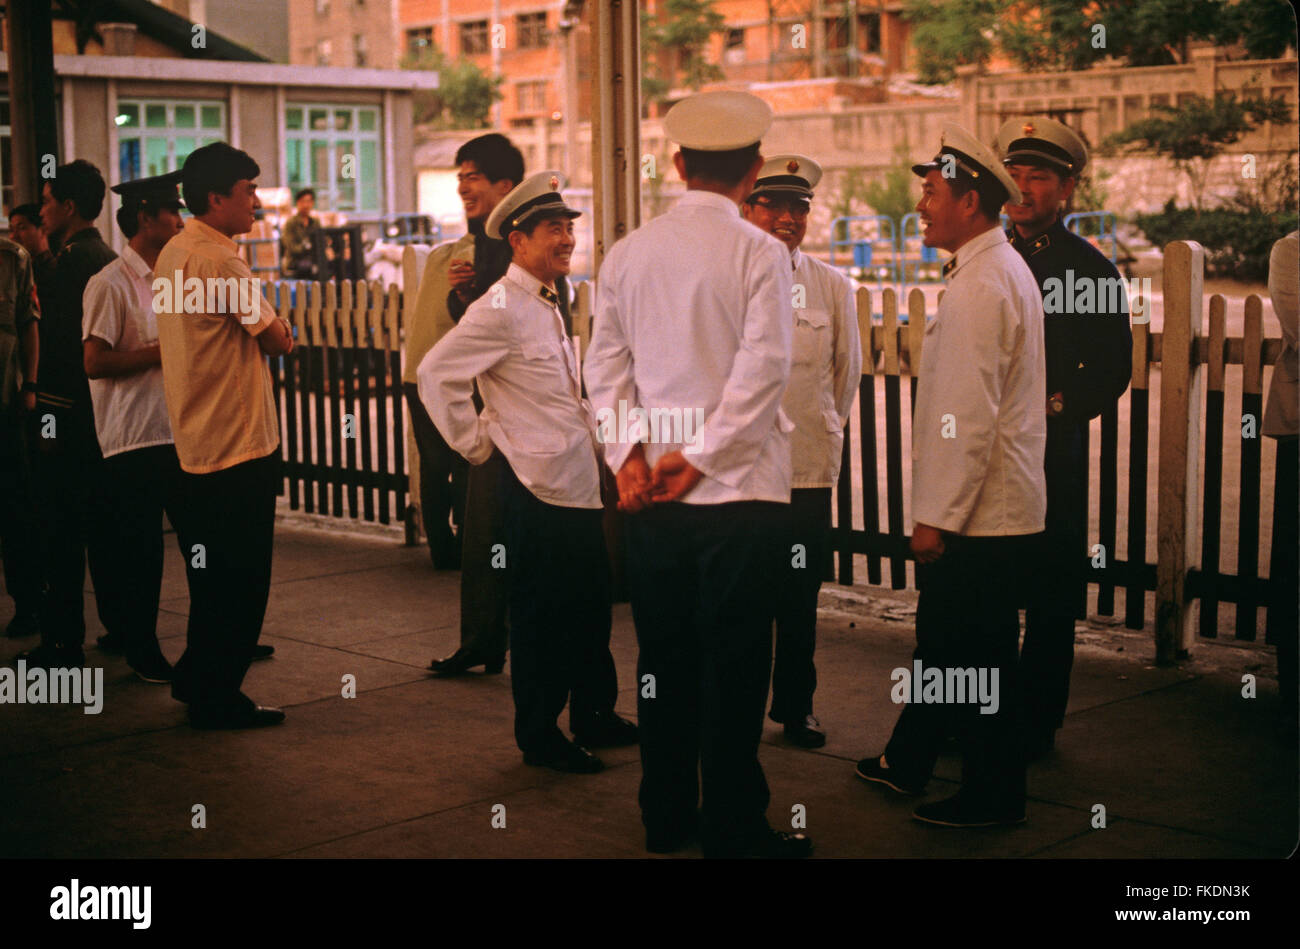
{"x": 416, "y": 767}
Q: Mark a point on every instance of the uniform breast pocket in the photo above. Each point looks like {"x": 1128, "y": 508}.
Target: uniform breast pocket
{"x": 812, "y": 330}
{"x": 538, "y": 351}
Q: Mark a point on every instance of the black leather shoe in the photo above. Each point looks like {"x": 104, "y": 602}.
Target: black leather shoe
{"x": 110, "y": 643}
{"x": 155, "y": 669}
{"x": 954, "y": 812}
{"x": 22, "y": 626}
{"x": 253, "y": 716}
{"x": 607, "y": 731}
{"x": 779, "y": 845}
{"x": 870, "y": 769}
{"x": 263, "y": 652}
{"x": 568, "y": 757}
{"x": 462, "y": 660}
{"x": 805, "y": 734}
{"x": 769, "y": 845}
{"x": 50, "y": 656}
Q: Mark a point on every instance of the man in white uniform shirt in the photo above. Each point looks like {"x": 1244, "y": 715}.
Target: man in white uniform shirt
{"x": 512, "y": 340}
{"x": 979, "y": 497}
{"x": 824, "y": 373}
{"x": 693, "y": 322}
{"x": 140, "y": 473}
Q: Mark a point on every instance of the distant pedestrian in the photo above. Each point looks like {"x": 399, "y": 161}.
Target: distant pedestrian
{"x": 296, "y": 237}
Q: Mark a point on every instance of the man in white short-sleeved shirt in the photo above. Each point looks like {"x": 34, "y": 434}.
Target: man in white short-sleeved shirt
{"x": 138, "y": 480}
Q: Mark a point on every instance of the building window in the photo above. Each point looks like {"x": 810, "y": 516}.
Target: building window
{"x": 155, "y": 136}
{"x": 322, "y": 7}
{"x": 837, "y": 32}
{"x": 334, "y": 149}
{"x": 733, "y": 50}
{"x": 474, "y": 37}
{"x": 323, "y": 50}
{"x": 530, "y": 30}
{"x": 869, "y": 32}
{"x": 359, "y": 49}
{"x": 530, "y": 96}
{"x": 419, "y": 42}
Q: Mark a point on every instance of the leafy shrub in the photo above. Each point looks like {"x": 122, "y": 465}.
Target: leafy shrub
{"x": 1236, "y": 242}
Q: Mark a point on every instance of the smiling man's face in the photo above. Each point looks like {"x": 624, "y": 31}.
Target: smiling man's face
{"x": 785, "y": 217}
{"x": 477, "y": 193}
{"x": 546, "y": 253}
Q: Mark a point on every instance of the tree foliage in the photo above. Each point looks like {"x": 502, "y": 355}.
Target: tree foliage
{"x": 1192, "y": 133}
{"x": 1070, "y": 35}
{"x": 682, "y": 29}
{"x": 465, "y": 93}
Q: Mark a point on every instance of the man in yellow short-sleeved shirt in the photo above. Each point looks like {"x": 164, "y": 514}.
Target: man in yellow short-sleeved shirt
{"x": 215, "y": 329}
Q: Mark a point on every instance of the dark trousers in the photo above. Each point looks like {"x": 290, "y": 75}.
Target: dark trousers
{"x": 442, "y": 482}
{"x": 19, "y": 533}
{"x": 967, "y": 617}
{"x": 794, "y": 676}
{"x": 1047, "y": 655}
{"x": 230, "y": 514}
{"x": 135, "y": 489}
{"x": 560, "y": 616}
{"x": 703, "y": 580}
{"x": 68, "y": 466}
{"x": 484, "y": 588}
{"x": 1283, "y": 626}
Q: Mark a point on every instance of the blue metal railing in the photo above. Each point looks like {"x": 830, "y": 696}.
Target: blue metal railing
{"x": 1076, "y": 224}
{"x": 873, "y": 248}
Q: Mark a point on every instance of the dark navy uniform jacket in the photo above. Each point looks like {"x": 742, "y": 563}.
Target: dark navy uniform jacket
{"x": 1089, "y": 355}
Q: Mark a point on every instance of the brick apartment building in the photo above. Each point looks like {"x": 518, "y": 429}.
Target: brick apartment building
{"x": 357, "y": 34}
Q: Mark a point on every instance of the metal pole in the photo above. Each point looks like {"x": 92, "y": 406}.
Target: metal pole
{"x": 31, "y": 94}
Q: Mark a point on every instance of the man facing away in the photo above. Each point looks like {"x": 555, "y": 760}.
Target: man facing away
{"x": 513, "y": 341}
{"x": 1089, "y": 362}
{"x": 140, "y": 474}
{"x": 825, "y": 370}
{"x": 227, "y": 434}
{"x": 66, "y": 451}
{"x": 693, "y": 317}
{"x": 978, "y": 496}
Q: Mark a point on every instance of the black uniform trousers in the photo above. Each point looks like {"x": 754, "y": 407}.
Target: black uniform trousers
{"x": 967, "y": 616}
{"x": 794, "y": 676}
{"x": 1047, "y": 655}
{"x": 68, "y": 466}
{"x": 703, "y": 581}
{"x": 230, "y": 515}
{"x": 560, "y": 616}
{"x": 135, "y": 488}
{"x": 18, "y": 525}
{"x": 484, "y": 584}
{"x": 442, "y": 482}
{"x": 1283, "y": 625}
